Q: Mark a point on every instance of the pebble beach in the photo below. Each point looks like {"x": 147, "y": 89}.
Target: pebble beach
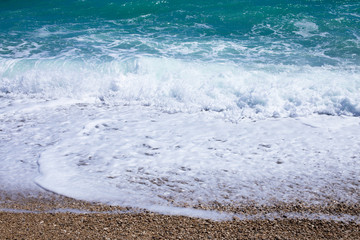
{"x": 49, "y": 216}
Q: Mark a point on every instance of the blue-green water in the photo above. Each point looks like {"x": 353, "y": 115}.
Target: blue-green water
{"x": 288, "y": 32}
{"x": 262, "y": 43}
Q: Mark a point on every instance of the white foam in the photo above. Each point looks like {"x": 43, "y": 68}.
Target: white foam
{"x": 139, "y": 156}
{"x": 151, "y": 156}
{"x": 258, "y": 91}
{"x": 306, "y": 28}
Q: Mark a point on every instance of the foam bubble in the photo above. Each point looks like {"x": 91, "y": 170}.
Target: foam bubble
{"x": 306, "y": 28}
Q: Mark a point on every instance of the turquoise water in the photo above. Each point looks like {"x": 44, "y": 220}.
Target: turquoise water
{"x": 288, "y": 32}
{"x": 115, "y": 39}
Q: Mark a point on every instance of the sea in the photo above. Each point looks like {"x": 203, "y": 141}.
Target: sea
{"x": 168, "y": 105}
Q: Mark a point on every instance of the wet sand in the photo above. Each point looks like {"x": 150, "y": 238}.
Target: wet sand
{"x": 49, "y": 216}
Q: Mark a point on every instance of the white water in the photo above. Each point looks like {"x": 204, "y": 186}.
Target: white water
{"x": 253, "y": 91}
{"x": 139, "y": 156}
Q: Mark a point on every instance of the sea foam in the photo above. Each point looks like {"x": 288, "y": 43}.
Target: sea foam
{"x": 255, "y": 91}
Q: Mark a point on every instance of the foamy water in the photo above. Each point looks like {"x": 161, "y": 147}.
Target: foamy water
{"x": 161, "y": 104}
{"x": 138, "y": 156}
{"x": 253, "y": 91}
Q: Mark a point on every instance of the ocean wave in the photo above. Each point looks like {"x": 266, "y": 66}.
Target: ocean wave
{"x": 254, "y": 91}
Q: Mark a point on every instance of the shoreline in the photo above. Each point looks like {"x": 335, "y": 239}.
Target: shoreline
{"x": 48, "y": 215}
